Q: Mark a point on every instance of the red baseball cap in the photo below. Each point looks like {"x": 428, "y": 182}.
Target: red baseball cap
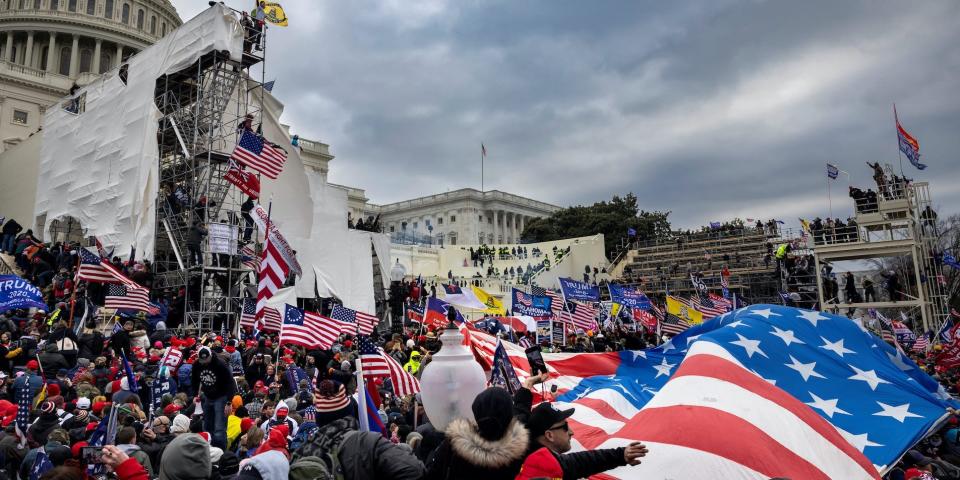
{"x": 33, "y": 365}
{"x": 171, "y": 409}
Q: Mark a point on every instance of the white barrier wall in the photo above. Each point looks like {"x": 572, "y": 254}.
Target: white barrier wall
{"x": 100, "y": 166}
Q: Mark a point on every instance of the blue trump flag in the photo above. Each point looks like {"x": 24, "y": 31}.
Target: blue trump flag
{"x": 574, "y": 290}
{"x": 628, "y": 297}
{"x": 531, "y": 305}
{"x": 15, "y": 293}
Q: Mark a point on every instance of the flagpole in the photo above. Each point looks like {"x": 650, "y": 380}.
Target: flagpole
{"x": 362, "y": 399}
{"x": 829, "y": 197}
{"x": 482, "y": 158}
{"x": 896, "y": 123}
{"x": 73, "y": 296}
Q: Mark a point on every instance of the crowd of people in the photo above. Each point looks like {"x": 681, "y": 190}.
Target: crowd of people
{"x": 243, "y": 407}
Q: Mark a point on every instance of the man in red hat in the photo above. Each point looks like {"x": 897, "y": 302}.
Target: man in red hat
{"x": 30, "y": 379}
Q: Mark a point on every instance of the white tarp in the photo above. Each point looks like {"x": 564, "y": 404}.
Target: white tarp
{"x": 101, "y": 166}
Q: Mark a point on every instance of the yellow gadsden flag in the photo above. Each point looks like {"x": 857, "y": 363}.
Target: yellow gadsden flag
{"x": 275, "y": 14}
{"x": 683, "y": 311}
{"x": 494, "y": 306}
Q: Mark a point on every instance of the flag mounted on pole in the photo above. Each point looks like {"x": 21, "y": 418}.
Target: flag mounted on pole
{"x": 908, "y": 144}
{"x": 832, "y": 171}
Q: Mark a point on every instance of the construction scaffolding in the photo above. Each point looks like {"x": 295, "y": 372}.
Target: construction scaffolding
{"x": 203, "y": 107}
{"x": 898, "y": 224}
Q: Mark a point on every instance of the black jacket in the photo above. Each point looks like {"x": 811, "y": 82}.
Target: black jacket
{"x": 362, "y": 455}
{"x": 90, "y": 345}
{"x": 464, "y": 454}
{"x": 214, "y": 379}
{"x": 121, "y": 341}
{"x": 11, "y": 227}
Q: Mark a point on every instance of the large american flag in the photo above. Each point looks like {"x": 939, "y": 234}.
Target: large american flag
{"x": 376, "y": 363}
{"x": 273, "y": 272}
{"x": 352, "y": 318}
{"x": 97, "y": 270}
{"x": 761, "y": 392}
{"x": 127, "y": 297}
{"x": 308, "y": 329}
{"x": 253, "y": 151}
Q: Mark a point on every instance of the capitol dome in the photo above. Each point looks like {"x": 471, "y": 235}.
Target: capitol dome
{"x": 47, "y": 46}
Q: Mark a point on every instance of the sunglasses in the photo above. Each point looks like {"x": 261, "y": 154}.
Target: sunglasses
{"x": 564, "y": 426}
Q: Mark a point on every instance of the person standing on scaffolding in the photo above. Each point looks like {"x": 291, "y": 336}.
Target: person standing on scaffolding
{"x": 880, "y": 178}
{"x": 260, "y": 19}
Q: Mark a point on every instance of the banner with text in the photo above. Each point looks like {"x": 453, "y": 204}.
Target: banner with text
{"x": 628, "y": 297}
{"x": 276, "y": 238}
{"x": 574, "y": 290}
{"x": 16, "y": 293}
{"x": 530, "y": 305}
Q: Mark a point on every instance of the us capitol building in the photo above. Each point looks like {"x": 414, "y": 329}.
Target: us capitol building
{"x": 47, "y": 46}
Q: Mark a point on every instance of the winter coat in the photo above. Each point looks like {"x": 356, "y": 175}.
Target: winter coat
{"x": 587, "y": 463}
{"x": 464, "y": 454}
{"x": 90, "y": 345}
{"x": 134, "y": 451}
{"x": 361, "y": 455}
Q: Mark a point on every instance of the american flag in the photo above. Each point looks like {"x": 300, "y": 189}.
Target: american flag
{"x": 271, "y": 321}
{"x": 251, "y": 151}
{"x": 24, "y": 402}
{"x": 837, "y": 409}
{"x": 921, "y": 344}
{"x": 376, "y": 363}
{"x": 249, "y": 258}
{"x": 583, "y": 315}
{"x": 248, "y": 313}
{"x": 123, "y": 297}
{"x": 273, "y": 272}
{"x": 673, "y": 325}
{"x": 525, "y": 342}
{"x": 706, "y": 306}
{"x": 97, "y": 270}
{"x": 556, "y": 303}
{"x": 350, "y": 318}
{"x": 308, "y": 329}
{"x": 275, "y": 155}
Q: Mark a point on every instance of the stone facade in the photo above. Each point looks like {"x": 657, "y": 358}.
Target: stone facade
{"x": 47, "y": 46}
{"x": 462, "y": 217}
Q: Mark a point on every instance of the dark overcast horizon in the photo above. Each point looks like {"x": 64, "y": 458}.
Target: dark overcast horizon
{"x": 711, "y": 110}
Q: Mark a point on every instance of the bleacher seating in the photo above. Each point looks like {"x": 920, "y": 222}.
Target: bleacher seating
{"x": 667, "y": 264}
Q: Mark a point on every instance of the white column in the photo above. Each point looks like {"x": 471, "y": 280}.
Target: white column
{"x": 52, "y": 53}
{"x": 96, "y": 55}
{"x": 523, "y": 218}
{"x": 119, "y": 55}
{"x": 496, "y": 226}
{"x": 8, "y": 52}
{"x": 74, "y": 56}
{"x": 513, "y": 228}
{"x": 28, "y": 55}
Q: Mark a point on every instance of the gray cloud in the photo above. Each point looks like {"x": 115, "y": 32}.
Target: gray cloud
{"x": 711, "y": 109}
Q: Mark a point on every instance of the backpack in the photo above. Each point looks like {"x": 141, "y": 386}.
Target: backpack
{"x": 309, "y": 468}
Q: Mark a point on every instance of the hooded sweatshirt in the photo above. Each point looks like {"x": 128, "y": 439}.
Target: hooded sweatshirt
{"x": 134, "y": 451}
{"x": 271, "y": 465}
{"x": 186, "y": 458}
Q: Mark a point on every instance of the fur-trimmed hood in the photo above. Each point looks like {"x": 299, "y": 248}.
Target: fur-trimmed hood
{"x": 467, "y": 443}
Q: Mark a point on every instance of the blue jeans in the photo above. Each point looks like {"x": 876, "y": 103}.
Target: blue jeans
{"x": 214, "y": 420}
{"x": 7, "y": 244}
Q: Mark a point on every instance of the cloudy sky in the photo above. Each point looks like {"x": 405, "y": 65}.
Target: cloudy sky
{"x": 709, "y": 109}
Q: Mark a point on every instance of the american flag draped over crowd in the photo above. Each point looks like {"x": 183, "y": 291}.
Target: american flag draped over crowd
{"x": 749, "y": 376}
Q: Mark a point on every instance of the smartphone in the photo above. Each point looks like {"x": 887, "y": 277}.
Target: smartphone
{"x": 535, "y": 358}
{"x": 92, "y": 455}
